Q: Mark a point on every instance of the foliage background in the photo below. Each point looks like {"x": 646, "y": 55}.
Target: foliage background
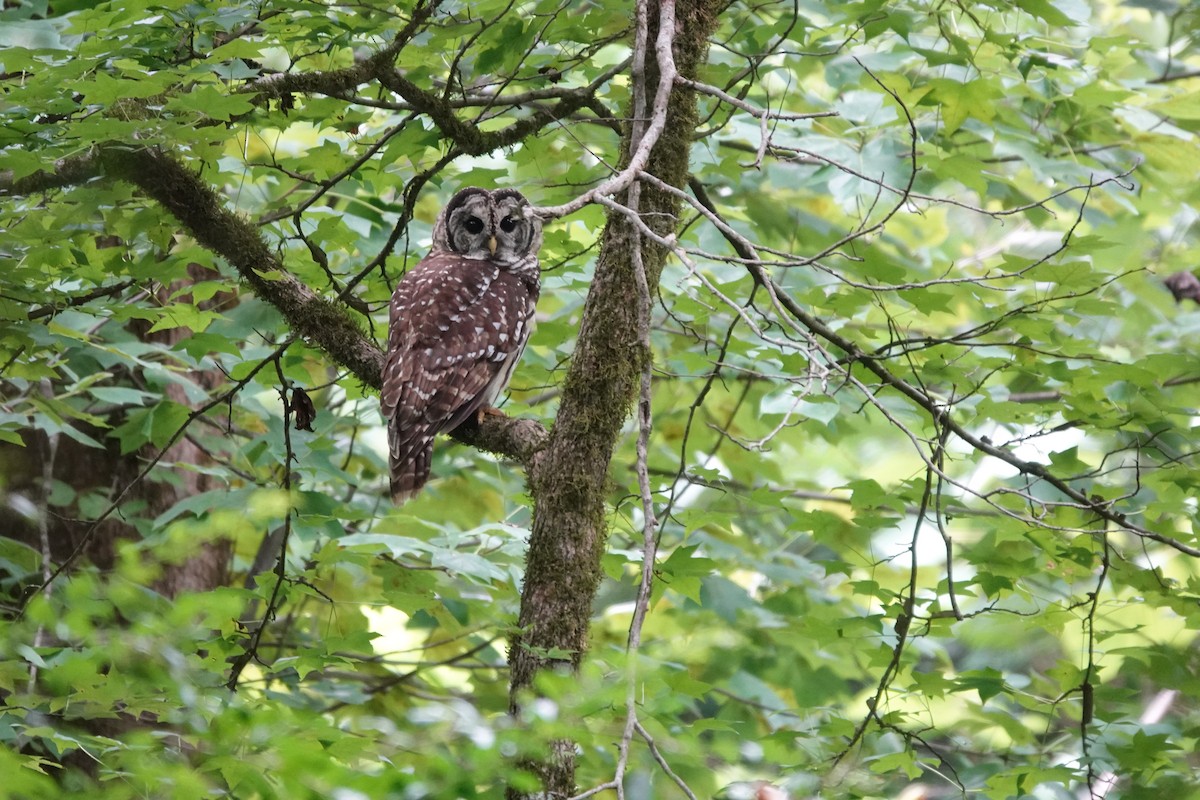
{"x": 933, "y": 535}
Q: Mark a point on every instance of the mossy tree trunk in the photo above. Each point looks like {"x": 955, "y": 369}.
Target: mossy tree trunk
{"x": 569, "y": 481}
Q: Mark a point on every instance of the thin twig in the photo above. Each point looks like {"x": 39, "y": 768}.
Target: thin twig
{"x": 649, "y": 524}
{"x": 251, "y": 651}
{"x": 658, "y": 122}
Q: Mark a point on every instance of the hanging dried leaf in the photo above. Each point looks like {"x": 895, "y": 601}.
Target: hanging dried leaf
{"x": 1184, "y": 286}
{"x": 306, "y": 412}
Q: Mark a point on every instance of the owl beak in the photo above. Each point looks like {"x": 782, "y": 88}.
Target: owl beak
{"x": 492, "y": 245}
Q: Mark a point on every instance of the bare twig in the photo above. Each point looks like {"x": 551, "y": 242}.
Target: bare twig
{"x": 251, "y": 651}
{"x": 50, "y": 309}
{"x": 649, "y": 523}
{"x": 658, "y": 121}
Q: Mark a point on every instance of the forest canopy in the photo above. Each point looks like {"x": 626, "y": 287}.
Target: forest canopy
{"x": 853, "y": 454}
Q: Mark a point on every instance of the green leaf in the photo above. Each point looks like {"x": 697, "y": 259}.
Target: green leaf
{"x": 987, "y": 682}
{"x": 1046, "y": 11}
{"x": 211, "y": 102}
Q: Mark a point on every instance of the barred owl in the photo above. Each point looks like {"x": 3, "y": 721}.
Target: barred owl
{"x": 458, "y": 323}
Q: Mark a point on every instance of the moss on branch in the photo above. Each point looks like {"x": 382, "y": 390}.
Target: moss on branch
{"x": 569, "y": 483}
{"x": 326, "y": 325}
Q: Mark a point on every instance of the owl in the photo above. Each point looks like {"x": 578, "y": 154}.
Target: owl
{"x": 458, "y": 323}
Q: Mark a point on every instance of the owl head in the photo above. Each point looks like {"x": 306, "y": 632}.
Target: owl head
{"x": 495, "y": 226}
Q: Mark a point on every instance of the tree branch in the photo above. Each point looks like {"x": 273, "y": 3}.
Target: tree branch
{"x": 324, "y": 324}
{"x": 875, "y": 365}
{"x": 67, "y": 171}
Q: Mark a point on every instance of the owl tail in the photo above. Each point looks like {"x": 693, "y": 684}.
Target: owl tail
{"x": 411, "y": 458}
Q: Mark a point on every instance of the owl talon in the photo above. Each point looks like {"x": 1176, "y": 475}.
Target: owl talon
{"x": 487, "y": 411}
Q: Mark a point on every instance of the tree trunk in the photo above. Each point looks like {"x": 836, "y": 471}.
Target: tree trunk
{"x": 569, "y": 480}
{"x": 83, "y": 468}
{"x": 28, "y": 471}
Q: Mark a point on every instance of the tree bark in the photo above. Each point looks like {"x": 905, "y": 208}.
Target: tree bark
{"x": 569, "y": 478}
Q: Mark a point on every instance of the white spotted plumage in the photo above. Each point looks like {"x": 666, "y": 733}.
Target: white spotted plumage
{"x": 458, "y": 323}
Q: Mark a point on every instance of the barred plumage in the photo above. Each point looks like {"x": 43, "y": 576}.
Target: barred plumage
{"x": 458, "y": 323}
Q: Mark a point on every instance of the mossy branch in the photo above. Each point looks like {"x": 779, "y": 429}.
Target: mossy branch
{"x": 194, "y": 203}
{"x": 326, "y": 325}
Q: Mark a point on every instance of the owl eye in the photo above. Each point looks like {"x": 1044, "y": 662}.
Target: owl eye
{"x": 508, "y": 224}
{"x": 473, "y": 225}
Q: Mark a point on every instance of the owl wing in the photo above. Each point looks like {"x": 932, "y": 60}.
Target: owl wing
{"x": 457, "y": 327}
